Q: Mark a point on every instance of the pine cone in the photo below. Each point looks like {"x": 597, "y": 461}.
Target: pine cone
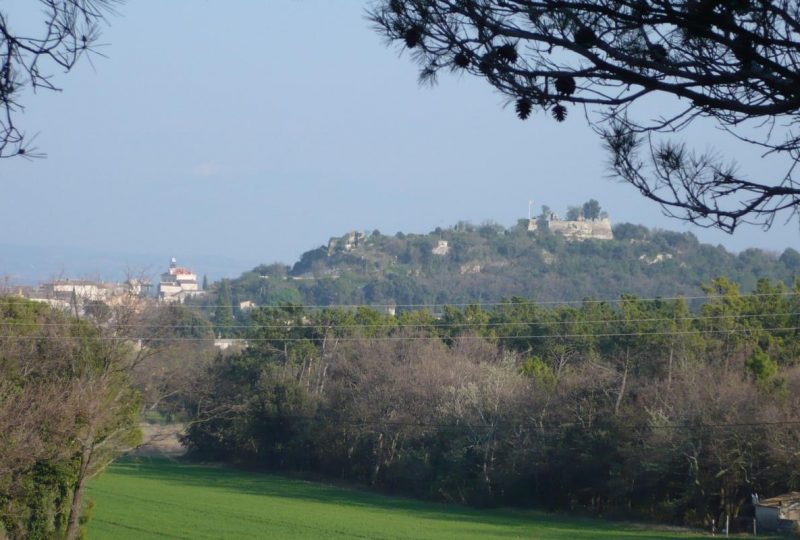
{"x": 507, "y": 53}
{"x": 585, "y": 37}
{"x": 523, "y": 108}
{"x": 559, "y": 113}
{"x": 412, "y": 36}
{"x": 461, "y": 60}
{"x": 565, "y": 85}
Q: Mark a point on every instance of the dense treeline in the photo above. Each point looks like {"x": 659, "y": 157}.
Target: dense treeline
{"x": 72, "y": 391}
{"x": 66, "y": 410}
{"x": 489, "y": 262}
{"x": 636, "y": 408}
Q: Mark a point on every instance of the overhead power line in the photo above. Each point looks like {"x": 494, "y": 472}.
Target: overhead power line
{"x": 538, "y": 322}
{"x": 504, "y": 303}
{"x": 500, "y": 422}
{"x": 521, "y": 302}
{"x": 411, "y": 338}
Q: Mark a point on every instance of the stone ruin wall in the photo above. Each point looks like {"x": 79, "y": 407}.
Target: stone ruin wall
{"x": 582, "y": 229}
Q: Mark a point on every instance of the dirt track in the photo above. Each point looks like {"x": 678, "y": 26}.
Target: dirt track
{"x": 160, "y": 440}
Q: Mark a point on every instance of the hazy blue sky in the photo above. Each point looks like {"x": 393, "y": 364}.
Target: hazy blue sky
{"x": 256, "y": 130}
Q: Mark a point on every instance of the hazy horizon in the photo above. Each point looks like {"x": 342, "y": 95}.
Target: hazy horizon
{"x": 49, "y": 261}
{"x": 257, "y": 142}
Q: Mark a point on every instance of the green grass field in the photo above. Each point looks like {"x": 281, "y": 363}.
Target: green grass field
{"x": 162, "y": 499}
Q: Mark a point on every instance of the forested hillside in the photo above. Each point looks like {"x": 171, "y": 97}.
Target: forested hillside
{"x": 468, "y": 264}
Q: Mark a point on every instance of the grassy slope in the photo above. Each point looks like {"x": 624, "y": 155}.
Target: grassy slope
{"x": 159, "y": 499}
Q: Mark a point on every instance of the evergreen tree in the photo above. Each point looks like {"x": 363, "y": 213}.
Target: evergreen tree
{"x": 732, "y": 63}
{"x": 223, "y": 314}
{"x": 573, "y": 213}
{"x": 591, "y": 209}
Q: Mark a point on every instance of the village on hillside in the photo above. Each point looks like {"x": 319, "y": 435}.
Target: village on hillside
{"x": 178, "y": 283}
{"x": 175, "y": 286}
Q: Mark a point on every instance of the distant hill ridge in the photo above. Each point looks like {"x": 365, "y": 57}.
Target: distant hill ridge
{"x": 485, "y": 263}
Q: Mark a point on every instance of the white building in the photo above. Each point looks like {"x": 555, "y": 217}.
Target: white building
{"x": 441, "y": 248}
{"x": 76, "y": 294}
{"x": 82, "y": 289}
{"x": 177, "y": 284}
{"x": 247, "y": 305}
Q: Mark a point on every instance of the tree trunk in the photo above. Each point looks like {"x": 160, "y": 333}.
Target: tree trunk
{"x": 669, "y": 369}
{"x": 378, "y": 458}
{"x": 488, "y": 460}
{"x": 73, "y": 524}
{"x": 322, "y": 376}
{"x": 622, "y": 386}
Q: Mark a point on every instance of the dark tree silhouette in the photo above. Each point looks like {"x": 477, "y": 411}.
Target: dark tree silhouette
{"x": 591, "y": 209}
{"x": 736, "y": 62}
{"x": 68, "y": 30}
